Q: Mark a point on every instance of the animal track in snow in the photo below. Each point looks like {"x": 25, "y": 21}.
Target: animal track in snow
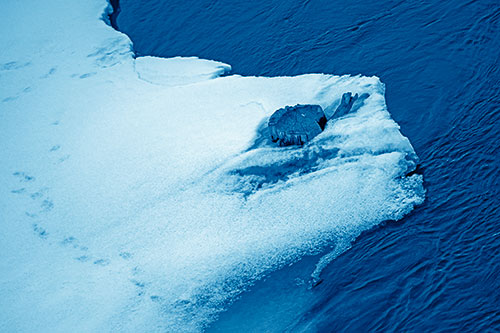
{"x": 51, "y": 72}
{"x": 55, "y": 148}
{"x": 41, "y": 232}
{"x": 23, "y": 177}
{"x": 13, "y": 65}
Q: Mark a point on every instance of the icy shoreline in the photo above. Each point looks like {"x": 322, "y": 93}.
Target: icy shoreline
{"x": 134, "y": 193}
{"x": 115, "y": 10}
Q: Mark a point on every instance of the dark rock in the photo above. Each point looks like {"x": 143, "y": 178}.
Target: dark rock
{"x": 296, "y": 125}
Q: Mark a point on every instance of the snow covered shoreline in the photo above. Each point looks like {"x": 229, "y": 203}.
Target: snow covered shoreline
{"x": 125, "y": 192}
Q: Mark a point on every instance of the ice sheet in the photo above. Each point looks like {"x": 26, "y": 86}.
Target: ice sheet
{"x": 132, "y": 206}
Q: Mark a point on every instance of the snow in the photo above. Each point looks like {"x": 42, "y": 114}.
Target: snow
{"x": 141, "y": 195}
{"x": 178, "y": 70}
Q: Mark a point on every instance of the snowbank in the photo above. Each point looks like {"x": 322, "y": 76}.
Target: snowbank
{"x": 141, "y": 195}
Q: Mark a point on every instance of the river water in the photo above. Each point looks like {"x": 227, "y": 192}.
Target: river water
{"x": 439, "y": 267}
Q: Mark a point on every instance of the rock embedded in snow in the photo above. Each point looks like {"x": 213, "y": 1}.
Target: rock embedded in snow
{"x": 295, "y": 125}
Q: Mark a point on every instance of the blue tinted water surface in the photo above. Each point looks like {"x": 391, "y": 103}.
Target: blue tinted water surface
{"x": 438, "y": 268}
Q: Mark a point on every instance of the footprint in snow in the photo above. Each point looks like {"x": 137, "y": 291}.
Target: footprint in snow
{"x": 41, "y": 232}
{"x": 23, "y": 177}
{"x": 102, "y": 262}
{"x": 125, "y": 255}
{"x": 13, "y": 65}
{"x": 51, "y": 72}
{"x": 55, "y": 148}
{"x": 9, "y": 99}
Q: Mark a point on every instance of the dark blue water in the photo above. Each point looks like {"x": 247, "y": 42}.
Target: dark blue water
{"x": 437, "y": 269}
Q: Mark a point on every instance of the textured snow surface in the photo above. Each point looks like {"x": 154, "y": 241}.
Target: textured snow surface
{"x": 136, "y": 198}
{"x": 179, "y": 70}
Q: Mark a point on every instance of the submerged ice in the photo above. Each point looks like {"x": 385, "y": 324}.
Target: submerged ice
{"x": 144, "y": 194}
